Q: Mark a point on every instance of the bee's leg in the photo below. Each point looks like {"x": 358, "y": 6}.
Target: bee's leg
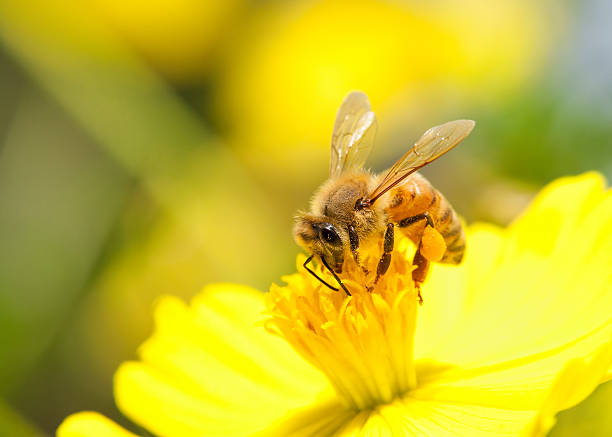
{"x": 420, "y": 273}
{"x": 410, "y": 220}
{"x": 315, "y": 275}
{"x": 335, "y": 277}
{"x": 422, "y": 264}
{"x": 354, "y": 243}
{"x": 385, "y": 259}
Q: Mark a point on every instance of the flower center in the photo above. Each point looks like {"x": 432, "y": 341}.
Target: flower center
{"x": 364, "y": 342}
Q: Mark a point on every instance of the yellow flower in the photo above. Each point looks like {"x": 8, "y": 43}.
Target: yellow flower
{"x": 182, "y": 39}
{"x": 521, "y": 330}
{"x": 284, "y": 84}
{"x": 179, "y": 38}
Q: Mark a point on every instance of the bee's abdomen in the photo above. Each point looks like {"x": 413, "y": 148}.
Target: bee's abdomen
{"x": 450, "y": 227}
{"x": 418, "y": 196}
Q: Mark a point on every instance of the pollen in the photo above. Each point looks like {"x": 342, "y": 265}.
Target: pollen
{"x": 433, "y": 245}
{"x": 363, "y": 342}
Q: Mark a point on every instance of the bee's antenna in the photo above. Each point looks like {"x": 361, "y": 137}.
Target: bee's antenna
{"x": 336, "y": 277}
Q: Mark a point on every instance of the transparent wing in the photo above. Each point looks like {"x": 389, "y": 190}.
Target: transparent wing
{"x": 353, "y": 135}
{"x": 434, "y": 143}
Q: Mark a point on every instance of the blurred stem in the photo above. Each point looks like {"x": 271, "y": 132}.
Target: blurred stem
{"x": 12, "y": 424}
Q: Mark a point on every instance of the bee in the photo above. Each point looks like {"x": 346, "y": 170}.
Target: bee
{"x": 354, "y": 207}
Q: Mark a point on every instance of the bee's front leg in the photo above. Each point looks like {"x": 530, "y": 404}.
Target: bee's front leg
{"x": 385, "y": 259}
{"x": 354, "y": 244}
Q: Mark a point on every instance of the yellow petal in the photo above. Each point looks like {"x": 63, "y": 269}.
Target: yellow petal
{"x": 542, "y": 301}
{"x": 319, "y": 420}
{"x": 550, "y": 282}
{"x": 209, "y": 369}
{"x": 556, "y": 213}
{"x": 409, "y": 417}
{"x": 416, "y": 417}
{"x": 516, "y": 384}
{"x": 577, "y": 380}
{"x": 451, "y": 292}
{"x": 90, "y": 424}
{"x": 475, "y": 416}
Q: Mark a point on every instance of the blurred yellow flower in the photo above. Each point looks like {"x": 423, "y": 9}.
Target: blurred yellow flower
{"x": 284, "y": 86}
{"x": 521, "y": 330}
{"x": 178, "y": 37}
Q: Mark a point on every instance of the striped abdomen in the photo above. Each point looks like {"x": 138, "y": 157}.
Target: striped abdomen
{"x": 417, "y": 196}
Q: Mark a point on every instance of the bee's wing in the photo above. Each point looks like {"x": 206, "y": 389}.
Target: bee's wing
{"x": 434, "y": 143}
{"x": 353, "y": 135}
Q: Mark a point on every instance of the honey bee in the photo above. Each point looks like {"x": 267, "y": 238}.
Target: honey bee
{"x": 354, "y": 206}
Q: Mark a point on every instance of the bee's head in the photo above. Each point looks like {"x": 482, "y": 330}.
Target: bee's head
{"x": 320, "y": 236}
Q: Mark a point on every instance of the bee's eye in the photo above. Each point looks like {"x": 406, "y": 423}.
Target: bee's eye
{"x": 330, "y": 235}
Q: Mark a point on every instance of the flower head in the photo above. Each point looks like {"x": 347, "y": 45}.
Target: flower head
{"x": 363, "y": 343}
{"x": 519, "y": 331}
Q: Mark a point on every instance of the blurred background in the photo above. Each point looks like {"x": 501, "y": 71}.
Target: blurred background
{"x": 151, "y": 147}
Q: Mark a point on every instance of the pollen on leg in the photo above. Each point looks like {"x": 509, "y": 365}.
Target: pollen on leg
{"x": 432, "y": 244}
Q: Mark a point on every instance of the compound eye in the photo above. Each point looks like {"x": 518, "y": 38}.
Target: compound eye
{"x": 330, "y": 235}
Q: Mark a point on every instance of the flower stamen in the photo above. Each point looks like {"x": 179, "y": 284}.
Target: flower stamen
{"x": 363, "y": 342}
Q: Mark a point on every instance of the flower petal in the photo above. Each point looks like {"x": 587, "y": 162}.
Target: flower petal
{"x": 208, "y": 370}
{"x": 517, "y": 384}
{"x": 539, "y": 310}
{"x": 90, "y": 424}
{"x": 451, "y": 292}
{"x": 410, "y": 417}
{"x": 551, "y": 282}
{"x": 577, "y": 380}
{"x": 319, "y": 420}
